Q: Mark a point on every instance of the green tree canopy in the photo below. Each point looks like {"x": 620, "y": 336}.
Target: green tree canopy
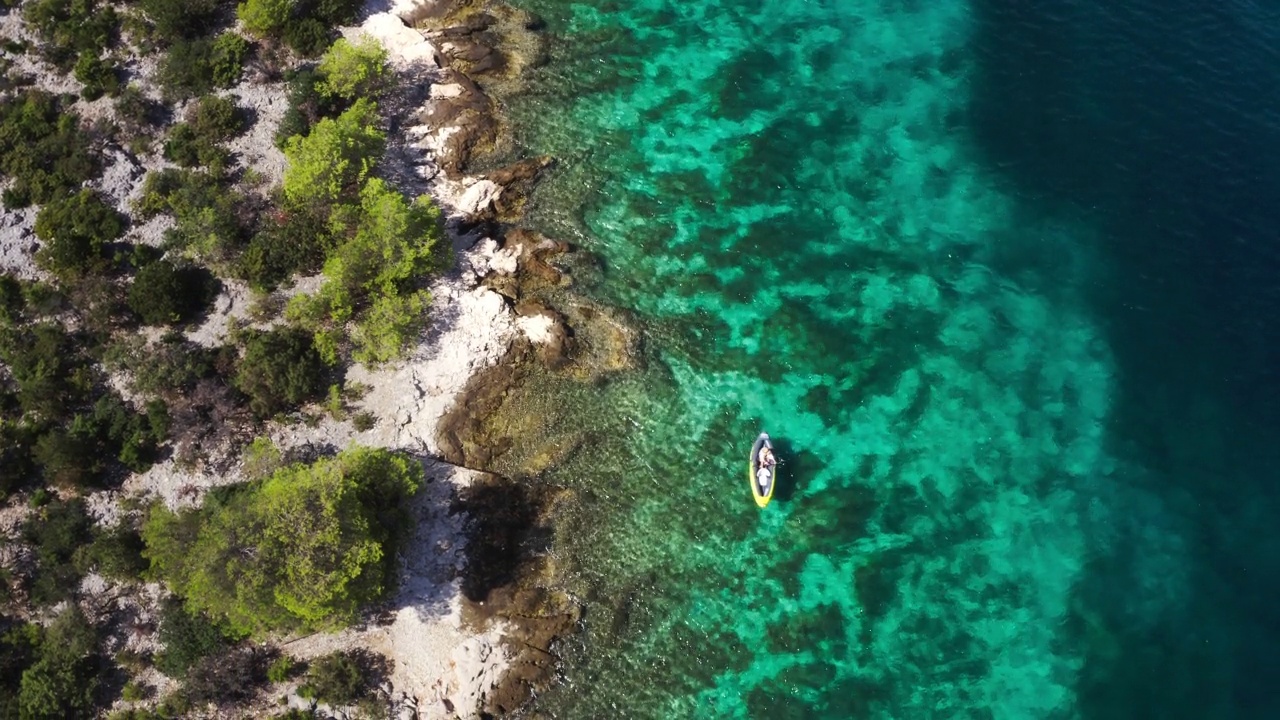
{"x": 354, "y": 70}
{"x": 75, "y": 230}
{"x": 373, "y": 276}
{"x": 62, "y": 681}
{"x": 335, "y": 157}
{"x": 302, "y": 550}
{"x": 264, "y": 18}
{"x": 280, "y": 369}
{"x": 163, "y": 293}
{"x": 42, "y": 149}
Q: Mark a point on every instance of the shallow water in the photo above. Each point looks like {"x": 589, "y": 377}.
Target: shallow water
{"x": 996, "y": 280}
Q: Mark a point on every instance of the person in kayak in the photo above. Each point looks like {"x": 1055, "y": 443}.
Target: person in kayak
{"x": 766, "y": 457}
{"x": 762, "y": 476}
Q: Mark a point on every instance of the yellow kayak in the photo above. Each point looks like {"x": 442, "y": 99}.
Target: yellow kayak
{"x": 762, "y": 479}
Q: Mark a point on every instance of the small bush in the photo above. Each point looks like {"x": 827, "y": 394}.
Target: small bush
{"x": 171, "y": 366}
{"x": 280, "y": 369}
{"x": 307, "y": 36}
{"x": 290, "y": 241}
{"x": 62, "y": 681}
{"x": 354, "y": 70}
{"x": 261, "y": 459}
{"x": 364, "y": 421}
{"x": 17, "y": 466}
{"x": 185, "y": 147}
{"x": 336, "y": 679}
{"x": 46, "y": 366}
{"x": 196, "y": 67}
{"x": 56, "y": 532}
{"x": 42, "y": 149}
{"x": 264, "y": 18}
{"x": 216, "y": 118}
{"x": 209, "y": 218}
{"x": 12, "y": 301}
{"x": 164, "y": 294}
{"x": 232, "y": 676}
{"x": 187, "y": 637}
{"x": 98, "y": 76}
{"x": 115, "y": 554}
{"x": 75, "y": 231}
{"x": 136, "y": 111}
{"x": 197, "y": 142}
{"x": 178, "y": 20}
{"x": 133, "y": 692}
{"x": 229, "y": 50}
{"x": 281, "y": 669}
{"x": 71, "y": 28}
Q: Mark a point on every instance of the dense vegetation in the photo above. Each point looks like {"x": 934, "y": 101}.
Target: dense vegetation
{"x": 302, "y": 550}
{"x": 101, "y": 374}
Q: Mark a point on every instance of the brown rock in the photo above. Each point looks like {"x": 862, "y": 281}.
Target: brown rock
{"x": 517, "y": 182}
{"x": 556, "y": 353}
{"x": 471, "y": 111}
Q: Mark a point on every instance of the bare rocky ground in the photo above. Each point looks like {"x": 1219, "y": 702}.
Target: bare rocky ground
{"x": 449, "y": 653}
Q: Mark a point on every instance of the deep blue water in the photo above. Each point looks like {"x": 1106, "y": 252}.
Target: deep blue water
{"x": 1159, "y": 123}
{"x": 1002, "y": 277}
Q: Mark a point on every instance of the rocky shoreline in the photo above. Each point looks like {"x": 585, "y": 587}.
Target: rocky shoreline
{"x": 472, "y": 628}
{"x": 509, "y": 582}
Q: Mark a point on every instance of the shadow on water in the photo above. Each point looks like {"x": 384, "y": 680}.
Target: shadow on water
{"x": 793, "y": 469}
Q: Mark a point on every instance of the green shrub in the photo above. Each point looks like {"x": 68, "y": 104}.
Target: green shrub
{"x": 133, "y": 692}
{"x": 261, "y": 459}
{"x": 364, "y": 421}
{"x": 372, "y": 276}
{"x": 280, "y": 369}
{"x": 196, "y": 142}
{"x": 63, "y": 679}
{"x": 232, "y": 676}
{"x": 17, "y": 466}
{"x": 56, "y": 532}
{"x": 98, "y": 76}
{"x": 334, "y": 159}
{"x": 216, "y": 118}
{"x": 71, "y": 28}
{"x": 46, "y": 366}
{"x": 163, "y": 293}
{"x": 307, "y": 36}
{"x": 187, "y": 637}
{"x": 229, "y": 51}
{"x": 337, "y": 679}
{"x": 290, "y": 241}
{"x": 12, "y": 301}
{"x": 207, "y": 215}
{"x": 42, "y": 149}
{"x": 19, "y": 648}
{"x": 281, "y": 669}
{"x": 75, "y": 231}
{"x": 264, "y": 18}
{"x": 302, "y": 550}
{"x": 115, "y": 554}
{"x": 177, "y": 20}
{"x": 76, "y": 454}
{"x": 185, "y": 147}
{"x": 354, "y": 70}
{"x": 135, "y": 110}
{"x": 196, "y": 67}
{"x": 331, "y": 12}
{"x": 170, "y": 367}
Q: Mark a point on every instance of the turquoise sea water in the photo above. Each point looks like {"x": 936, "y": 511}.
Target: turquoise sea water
{"x": 867, "y": 228}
